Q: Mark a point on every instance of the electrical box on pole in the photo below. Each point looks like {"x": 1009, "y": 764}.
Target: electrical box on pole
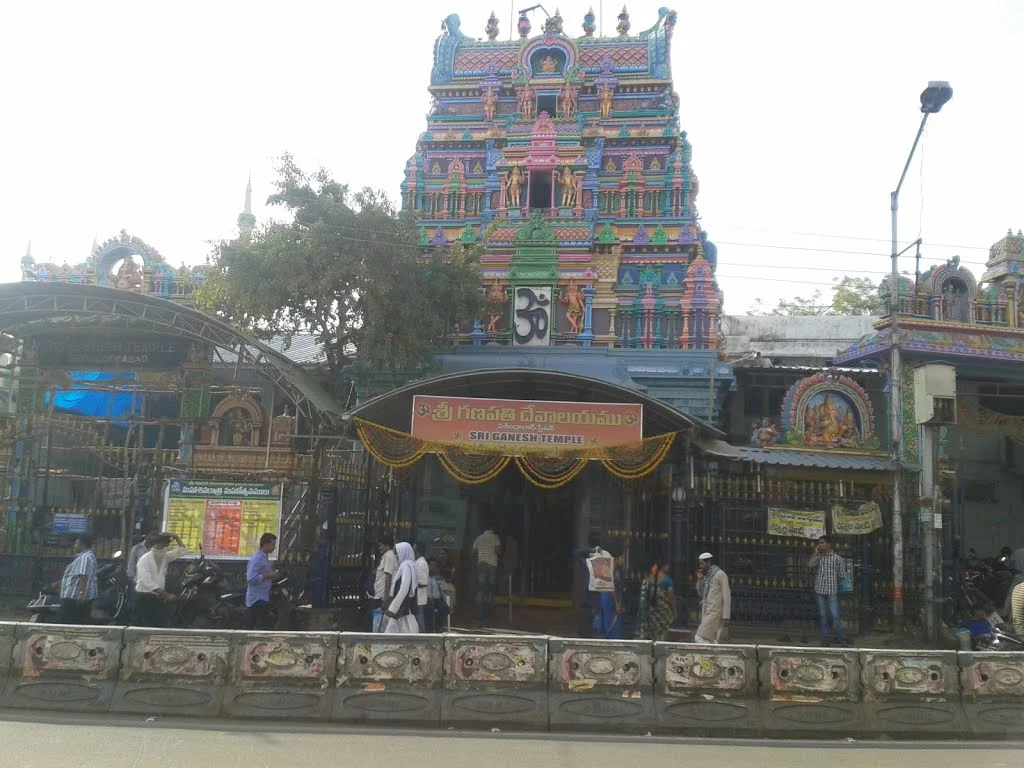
{"x": 935, "y": 394}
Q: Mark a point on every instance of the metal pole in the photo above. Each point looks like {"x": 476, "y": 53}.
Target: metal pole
{"x": 927, "y": 515}
{"x": 896, "y": 401}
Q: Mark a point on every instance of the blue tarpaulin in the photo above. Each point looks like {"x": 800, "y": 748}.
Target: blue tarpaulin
{"x": 92, "y": 402}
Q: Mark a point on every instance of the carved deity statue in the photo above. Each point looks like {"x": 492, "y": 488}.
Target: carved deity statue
{"x": 490, "y": 101}
{"x": 573, "y": 300}
{"x": 604, "y": 100}
{"x": 515, "y": 183}
{"x": 569, "y": 187}
{"x": 764, "y": 434}
{"x": 495, "y": 306}
{"x": 548, "y": 64}
{"x": 128, "y": 277}
{"x": 526, "y": 102}
{"x": 567, "y": 100}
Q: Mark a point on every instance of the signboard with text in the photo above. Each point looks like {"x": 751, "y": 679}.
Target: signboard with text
{"x": 126, "y": 352}
{"x": 227, "y": 519}
{"x": 527, "y": 425}
{"x": 803, "y": 523}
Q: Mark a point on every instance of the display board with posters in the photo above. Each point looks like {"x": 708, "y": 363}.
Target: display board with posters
{"x": 227, "y": 519}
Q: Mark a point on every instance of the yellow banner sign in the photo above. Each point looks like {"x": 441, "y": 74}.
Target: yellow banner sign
{"x": 805, "y": 523}
{"x": 226, "y": 519}
{"x": 856, "y": 522}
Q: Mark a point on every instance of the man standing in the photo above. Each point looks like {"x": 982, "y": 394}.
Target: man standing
{"x": 387, "y": 567}
{"x": 487, "y": 547}
{"x": 151, "y": 579}
{"x": 715, "y": 602}
{"x": 422, "y": 581}
{"x": 590, "y": 603}
{"x": 259, "y": 577}
{"x": 828, "y": 569}
{"x": 78, "y": 587}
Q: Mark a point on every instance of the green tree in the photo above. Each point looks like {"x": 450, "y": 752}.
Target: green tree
{"x": 850, "y": 296}
{"x": 349, "y": 269}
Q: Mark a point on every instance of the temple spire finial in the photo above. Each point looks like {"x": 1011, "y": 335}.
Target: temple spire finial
{"x": 246, "y": 220}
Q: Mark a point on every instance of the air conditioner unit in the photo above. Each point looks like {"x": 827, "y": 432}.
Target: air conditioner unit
{"x": 935, "y": 394}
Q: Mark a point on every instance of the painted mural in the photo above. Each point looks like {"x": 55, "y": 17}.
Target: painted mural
{"x": 830, "y": 412}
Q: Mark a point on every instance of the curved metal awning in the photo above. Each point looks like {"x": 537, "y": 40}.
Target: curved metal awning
{"x": 394, "y": 409}
{"x": 29, "y": 309}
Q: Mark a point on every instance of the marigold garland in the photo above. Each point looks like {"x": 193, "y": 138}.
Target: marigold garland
{"x": 472, "y": 468}
{"x": 629, "y": 462}
{"x": 548, "y": 471}
{"x": 389, "y": 446}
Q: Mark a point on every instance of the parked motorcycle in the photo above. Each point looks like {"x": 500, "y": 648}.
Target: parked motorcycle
{"x": 198, "y": 594}
{"x": 997, "y": 641}
{"x": 110, "y": 607}
{"x": 231, "y": 606}
{"x": 203, "y": 601}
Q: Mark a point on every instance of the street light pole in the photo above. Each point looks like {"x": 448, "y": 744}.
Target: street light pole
{"x": 932, "y": 100}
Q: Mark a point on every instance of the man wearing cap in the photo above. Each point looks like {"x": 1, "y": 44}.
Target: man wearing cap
{"x": 151, "y": 579}
{"x": 715, "y": 602}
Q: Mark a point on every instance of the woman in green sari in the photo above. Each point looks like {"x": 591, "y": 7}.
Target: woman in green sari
{"x": 657, "y": 611}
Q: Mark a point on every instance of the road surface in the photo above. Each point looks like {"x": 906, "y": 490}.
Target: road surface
{"x": 72, "y": 742}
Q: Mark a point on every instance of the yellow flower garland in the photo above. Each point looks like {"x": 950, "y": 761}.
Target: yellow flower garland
{"x": 545, "y": 470}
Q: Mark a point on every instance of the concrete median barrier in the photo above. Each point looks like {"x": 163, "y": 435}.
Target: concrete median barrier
{"x": 395, "y": 679}
{"x": 7, "y": 641}
{"x": 600, "y": 685}
{"x": 706, "y": 690}
{"x": 69, "y": 668}
{"x": 495, "y": 681}
{"x": 275, "y": 675}
{"x": 173, "y": 672}
{"x": 910, "y": 692}
{"x": 810, "y": 689}
{"x": 992, "y": 690}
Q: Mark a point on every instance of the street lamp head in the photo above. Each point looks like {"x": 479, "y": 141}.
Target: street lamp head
{"x": 935, "y": 96}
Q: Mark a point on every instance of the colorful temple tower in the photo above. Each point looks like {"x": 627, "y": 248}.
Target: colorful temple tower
{"x": 563, "y": 157}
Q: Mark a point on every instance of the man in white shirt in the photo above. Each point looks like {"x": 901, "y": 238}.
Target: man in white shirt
{"x": 387, "y": 567}
{"x": 487, "y": 547}
{"x": 422, "y": 581}
{"x": 151, "y": 579}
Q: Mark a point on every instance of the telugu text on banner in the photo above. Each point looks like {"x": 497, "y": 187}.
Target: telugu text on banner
{"x": 856, "y": 522}
{"x": 525, "y": 425}
{"x": 806, "y": 523}
{"x": 227, "y": 519}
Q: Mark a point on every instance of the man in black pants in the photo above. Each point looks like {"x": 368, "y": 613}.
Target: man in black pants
{"x": 78, "y": 587}
{"x": 259, "y": 577}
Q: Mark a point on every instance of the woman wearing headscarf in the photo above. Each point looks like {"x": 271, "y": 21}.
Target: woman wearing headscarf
{"x": 657, "y": 604}
{"x": 401, "y": 613}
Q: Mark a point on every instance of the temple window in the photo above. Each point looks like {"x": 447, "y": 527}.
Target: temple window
{"x": 540, "y": 190}
{"x": 546, "y": 103}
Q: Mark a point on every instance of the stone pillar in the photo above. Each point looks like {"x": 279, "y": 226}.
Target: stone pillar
{"x": 477, "y": 335}
{"x": 587, "y": 337}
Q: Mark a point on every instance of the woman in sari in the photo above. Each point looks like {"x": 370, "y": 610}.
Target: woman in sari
{"x": 657, "y": 604}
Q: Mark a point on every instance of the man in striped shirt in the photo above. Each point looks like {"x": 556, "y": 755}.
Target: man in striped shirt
{"x": 78, "y": 587}
{"x": 829, "y": 569}
{"x": 487, "y": 547}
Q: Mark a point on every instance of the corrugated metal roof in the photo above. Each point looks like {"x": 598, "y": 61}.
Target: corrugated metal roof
{"x": 816, "y": 459}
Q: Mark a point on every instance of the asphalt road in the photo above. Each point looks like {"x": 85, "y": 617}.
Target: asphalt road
{"x": 73, "y": 742}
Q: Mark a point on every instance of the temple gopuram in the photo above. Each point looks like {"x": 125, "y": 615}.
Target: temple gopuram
{"x": 563, "y": 157}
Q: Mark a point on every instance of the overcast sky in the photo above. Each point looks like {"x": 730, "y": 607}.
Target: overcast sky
{"x": 801, "y": 114}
